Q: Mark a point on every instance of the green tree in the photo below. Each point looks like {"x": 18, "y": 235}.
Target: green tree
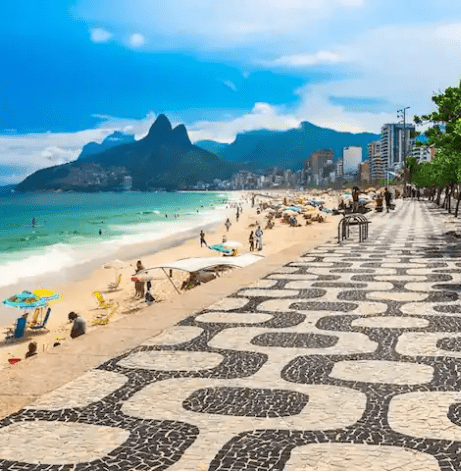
{"x": 444, "y": 172}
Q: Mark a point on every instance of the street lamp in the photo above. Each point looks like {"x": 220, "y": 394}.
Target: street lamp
{"x": 402, "y": 114}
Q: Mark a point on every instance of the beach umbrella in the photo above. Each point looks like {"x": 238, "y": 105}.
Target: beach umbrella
{"x": 142, "y": 277}
{"x": 147, "y": 275}
{"x": 290, "y": 212}
{"x": 232, "y": 245}
{"x": 220, "y": 248}
{"x": 116, "y": 265}
{"x": 24, "y": 300}
{"x": 47, "y": 295}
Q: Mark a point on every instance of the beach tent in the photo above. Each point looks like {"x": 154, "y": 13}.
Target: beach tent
{"x": 196, "y": 264}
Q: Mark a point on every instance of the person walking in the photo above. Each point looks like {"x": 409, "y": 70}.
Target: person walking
{"x": 227, "y": 224}
{"x": 387, "y": 198}
{"x": 259, "y": 238}
{"x": 251, "y": 240}
{"x": 237, "y": 215}
{"x": 355, "y": 199}
{"x": 202, "y": 239}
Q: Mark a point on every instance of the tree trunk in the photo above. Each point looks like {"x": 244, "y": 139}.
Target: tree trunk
{"x": 450, "y": 193}
{"x": 439, "y": 194}
{"x": 457, "y": 202}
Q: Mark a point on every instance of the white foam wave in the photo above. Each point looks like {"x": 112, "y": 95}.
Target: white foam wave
{"x": 66, "y": 262}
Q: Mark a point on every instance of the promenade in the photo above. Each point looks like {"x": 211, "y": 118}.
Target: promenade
{"x": 347, "y": 358}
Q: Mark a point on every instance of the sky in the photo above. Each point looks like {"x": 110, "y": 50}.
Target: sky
{"x": 74, "y": 71}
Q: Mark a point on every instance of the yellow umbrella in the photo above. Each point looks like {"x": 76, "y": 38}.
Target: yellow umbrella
{"x": 47, "y": 295}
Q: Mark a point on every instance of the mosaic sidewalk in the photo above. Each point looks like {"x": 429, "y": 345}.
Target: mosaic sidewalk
{"x": 346, "y": 359}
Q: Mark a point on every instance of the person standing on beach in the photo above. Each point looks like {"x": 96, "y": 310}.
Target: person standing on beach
{"x": 251, "y": 240}
{"x": 202, "y": 239}
{"x": 259, "y": 238}
{"x": 227, "y": 224}
{"x": 237, "y": 215}
{"x": 138, "y": 284}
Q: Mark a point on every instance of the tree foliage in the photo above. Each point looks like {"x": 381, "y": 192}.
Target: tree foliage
{"x": 444, "y": 171}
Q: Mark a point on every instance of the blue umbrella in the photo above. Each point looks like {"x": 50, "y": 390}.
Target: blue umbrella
{"x": 25, "y": 300}
{"x": 220, "y": 248}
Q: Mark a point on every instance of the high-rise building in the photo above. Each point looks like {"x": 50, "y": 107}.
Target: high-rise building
{"x": 374, "y": 157}
{"x": 365, "y": 171}
{"x": 396, "y": 144}
{"x": 314, "y": 165}
{"x": 423, "y": 153}
{"x": 339, "y": 169}
{"x": 352, "y": 158}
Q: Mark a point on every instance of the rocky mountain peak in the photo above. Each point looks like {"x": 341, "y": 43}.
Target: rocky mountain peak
{"x": 180, "y": 137}
{"x": 160, "y": 128}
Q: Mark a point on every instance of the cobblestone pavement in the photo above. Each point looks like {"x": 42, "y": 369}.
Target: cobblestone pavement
{"x": 346, "y": 359}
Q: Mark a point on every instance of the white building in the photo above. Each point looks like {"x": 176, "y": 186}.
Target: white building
{"x": 352, "y": 158}
{"x": 422, "y": 153}
{"x": 396, "y": 144}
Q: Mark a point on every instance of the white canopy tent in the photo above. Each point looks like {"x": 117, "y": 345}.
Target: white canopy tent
{"x": 196, "y": 264}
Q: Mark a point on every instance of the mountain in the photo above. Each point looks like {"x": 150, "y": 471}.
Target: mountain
{"x": 115, "y": 139}
{"x": 267, "y": 149}
{"x": 212, "y": 146}
{"x": 164, "y": 158}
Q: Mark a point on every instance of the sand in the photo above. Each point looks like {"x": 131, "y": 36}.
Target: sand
{"x": 77, "y": 296}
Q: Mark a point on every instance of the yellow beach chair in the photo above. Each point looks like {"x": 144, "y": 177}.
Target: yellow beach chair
{"x": 35, "y": 316}
{"x": 101, "y": 302}
{"x": 104, "y": 321}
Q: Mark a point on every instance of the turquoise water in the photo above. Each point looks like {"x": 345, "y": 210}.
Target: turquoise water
{"x": 47, "y": 232}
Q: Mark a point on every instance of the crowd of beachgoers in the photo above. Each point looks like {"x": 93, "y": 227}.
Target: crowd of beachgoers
{"x": 256, "y": 222}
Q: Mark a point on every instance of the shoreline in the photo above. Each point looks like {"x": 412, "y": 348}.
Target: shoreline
{"x": 77, "y": 294}
{"x": 44, "y": 265}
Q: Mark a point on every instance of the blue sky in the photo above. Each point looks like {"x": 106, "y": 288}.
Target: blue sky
{"x": 75, "y": 71}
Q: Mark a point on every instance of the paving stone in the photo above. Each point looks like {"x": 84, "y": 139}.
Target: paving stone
{"x": 347, "y": 358}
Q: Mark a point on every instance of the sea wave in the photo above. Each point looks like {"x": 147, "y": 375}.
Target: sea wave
{"x": 66, "y": 262}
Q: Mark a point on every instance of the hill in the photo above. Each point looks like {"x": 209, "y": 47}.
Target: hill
{"x": 164, "y": 159}
{"x": 267, "y": 149}
{"x": 115, "y": 139}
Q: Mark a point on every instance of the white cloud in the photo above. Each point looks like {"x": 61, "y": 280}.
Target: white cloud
{"x": 230, "y": 84}
{"x": 263, "y": 115}
{"x": 99, "y": 35}
{"x": 35, "y": 151}
{"x": 217, "y": 24}
{"x": 137, "y": 40}
{"x": 306, "y": 60}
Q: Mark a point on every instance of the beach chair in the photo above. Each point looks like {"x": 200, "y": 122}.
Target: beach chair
{"x": 114, "y": 285}
{"x": 42, "y": 325}
{"x": 101, "y": 302}
{"x": 105, "y": 320}
{"x": 19, "y": 330}
{"x": 34, "y": 317}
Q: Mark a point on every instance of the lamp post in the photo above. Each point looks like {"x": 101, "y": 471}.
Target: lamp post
{"x": 402, "y": 114}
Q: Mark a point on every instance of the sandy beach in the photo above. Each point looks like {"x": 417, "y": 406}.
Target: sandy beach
{"x": 78, "y": 295}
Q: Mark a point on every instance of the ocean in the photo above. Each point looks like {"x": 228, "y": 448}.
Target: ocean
{"x": 49, "y": 237}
